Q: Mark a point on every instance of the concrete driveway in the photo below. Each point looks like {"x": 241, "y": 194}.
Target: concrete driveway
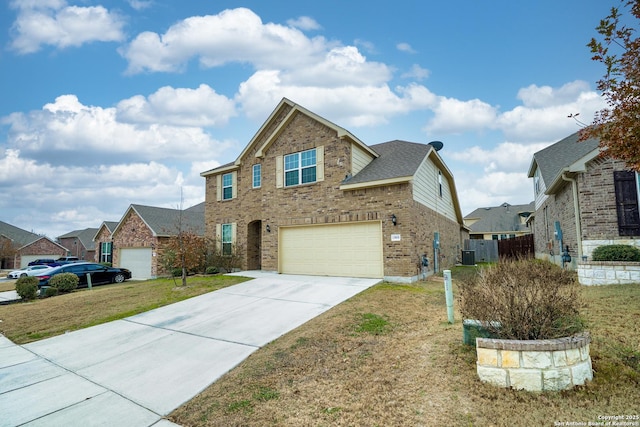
{"x": 134, "y": 371}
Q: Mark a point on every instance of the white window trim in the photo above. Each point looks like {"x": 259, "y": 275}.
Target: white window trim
{"x": 300, "y": 168}
{"x": 257, "y": 166}
{"x": 227, "y": 186}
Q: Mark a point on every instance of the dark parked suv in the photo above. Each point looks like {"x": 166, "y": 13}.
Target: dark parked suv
{"x": 42, "y": 261}
{"x": 99, "y": 273}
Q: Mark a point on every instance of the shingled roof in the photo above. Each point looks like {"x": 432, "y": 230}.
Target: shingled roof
{"x": 17, "y": 235}
{"x": 165, "y": 222}
{"x": 555, "y": 158}
{"x": 85, "y": 236}
{"x": 397, "y": 159}
{"x": 501, "y": 218}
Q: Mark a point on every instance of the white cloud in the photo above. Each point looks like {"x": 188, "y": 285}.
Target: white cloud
{"x": 350, "y": 106}
{"x": 179, "y": 107}
{"x": 455, "y": 116}
{"x": 507, "y": 156}
{"x": 233, "y": 35}
{"x": 405, "y": 47}
{"x": 304, "y": 23}
{"x": 492, "y": 189}
{"x": 52, "y": 197}
{"x": 545, "y": 113}
{"x": 70, "y": 132}
{"x": 140, "y": 4}
{"x": 55, "y": 23}
{"x": 416, "y": 72}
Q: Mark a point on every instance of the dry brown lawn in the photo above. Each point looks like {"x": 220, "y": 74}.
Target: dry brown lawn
{"x": 387, "y": 357}
{"x": 23, "y": 322}
{"x": 9, "y": 285}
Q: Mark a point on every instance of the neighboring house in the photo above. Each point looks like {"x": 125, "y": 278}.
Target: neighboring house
{"x": 79, "y": 243}
{"x": 306, "y": 196}
{"x": 19, "y": 247}
{"x": 582, "y": 200}
{"x": 103, "y": 242}
{"x": 139, "y": 238}
{"x": 500, "y": 222}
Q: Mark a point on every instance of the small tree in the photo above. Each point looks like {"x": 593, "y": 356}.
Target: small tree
{"x": 617, "y": 127}
{"x": 187, "y": 251}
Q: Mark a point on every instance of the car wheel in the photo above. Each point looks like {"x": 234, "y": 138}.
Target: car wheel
{"x": 23, "y": 275}
{"x": 119, "y": 278}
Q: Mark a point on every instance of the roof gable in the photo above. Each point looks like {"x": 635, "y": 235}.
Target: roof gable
{"x": 85, "y": 236}
{"x": 557, "y": 158}
{"x": 165, "y": 222}
{"x": 275, "y": 124}
{"x": 505, "y": 217}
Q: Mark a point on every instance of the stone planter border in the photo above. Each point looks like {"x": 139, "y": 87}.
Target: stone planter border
{"x": 535, "y": 365}
{"x": 608, "y": 272}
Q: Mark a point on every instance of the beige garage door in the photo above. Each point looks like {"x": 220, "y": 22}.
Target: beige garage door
{"x": 351, "y": 250}
{"x": 138, "y": 260}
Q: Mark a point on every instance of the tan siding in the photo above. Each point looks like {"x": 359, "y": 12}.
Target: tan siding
{"x": 359, "y": 159}
{"x": 426, "y": 192}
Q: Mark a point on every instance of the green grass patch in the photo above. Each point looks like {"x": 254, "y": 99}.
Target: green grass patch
{"x": 43, "y": 318}
{"x": 372, "y": 324}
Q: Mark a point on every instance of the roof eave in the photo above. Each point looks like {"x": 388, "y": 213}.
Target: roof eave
{"x": 376, "y": 183}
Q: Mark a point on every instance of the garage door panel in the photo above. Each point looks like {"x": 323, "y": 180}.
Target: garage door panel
{"x": 138, "y": 260}
{"x": 352, "y": 249}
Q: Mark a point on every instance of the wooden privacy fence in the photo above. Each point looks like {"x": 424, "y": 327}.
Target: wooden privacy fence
{"x": 493, "y": 250}
{"x": 517, "y": 247}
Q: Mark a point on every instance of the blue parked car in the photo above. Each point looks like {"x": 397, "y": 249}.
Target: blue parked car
{"x": 99, "y": 273}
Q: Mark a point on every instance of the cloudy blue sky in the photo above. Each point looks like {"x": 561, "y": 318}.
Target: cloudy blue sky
{"x": 105, "y": 103}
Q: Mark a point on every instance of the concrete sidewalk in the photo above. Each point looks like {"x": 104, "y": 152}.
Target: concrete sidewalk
{"x": 134, "y": 371}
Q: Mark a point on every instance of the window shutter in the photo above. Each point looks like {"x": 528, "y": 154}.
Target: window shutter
{"x": 279, "y": 172}
{"x": 218, "y": 187}
{"x": 627, "y": 203}
{"x": 234, "y": 185}
{"x": 219, "y": 236}
{"x": 320, "y": 163}
{"x": 234, "y": 227}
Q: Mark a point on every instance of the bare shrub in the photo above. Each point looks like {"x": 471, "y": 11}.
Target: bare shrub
{"x": 524, "y": 300}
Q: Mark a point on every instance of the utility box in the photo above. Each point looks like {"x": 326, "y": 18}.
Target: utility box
{"x": 468, "y": 257}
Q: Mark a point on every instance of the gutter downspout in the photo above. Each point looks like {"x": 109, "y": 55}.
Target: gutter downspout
{"x": 576, "y": 208}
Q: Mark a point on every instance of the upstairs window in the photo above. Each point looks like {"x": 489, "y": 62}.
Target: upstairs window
{"x": 257, "y": 176}
{"x": 227, "y": 186}
{"x": 440, "y": 183}
{"x": 300, "y": 168}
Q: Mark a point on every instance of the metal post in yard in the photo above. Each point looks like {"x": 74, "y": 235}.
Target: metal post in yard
{"x": 89, "y": 280}
{"x": 448, "y": 291}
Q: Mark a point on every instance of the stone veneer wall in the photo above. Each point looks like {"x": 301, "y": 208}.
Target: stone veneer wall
{"x": 608, "y": 272}
{"x": 536, "y": 365}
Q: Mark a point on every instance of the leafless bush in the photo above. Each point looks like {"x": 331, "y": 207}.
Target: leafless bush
{"x": 524, "y": 300}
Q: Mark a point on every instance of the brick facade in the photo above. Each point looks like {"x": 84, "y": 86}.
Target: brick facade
{"x": 323, "y": 202}
{"x": 598, "y": 214}
{"x": 39, "y": 247}
{"x": 132, "y": 232}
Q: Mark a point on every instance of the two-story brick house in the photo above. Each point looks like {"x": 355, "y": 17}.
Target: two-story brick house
{"x": 582, "y": 200}
{"x": 306, "y": 196}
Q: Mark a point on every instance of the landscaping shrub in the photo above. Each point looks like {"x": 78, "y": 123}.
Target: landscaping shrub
{"x": 49, "y": 292}
{"x": 616, "y": 253}
{"x": 212, "y": 270}
{"x": 523, "y": 300}
{"x": 64, "y": 282}
{"x": 27, "y": 288}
